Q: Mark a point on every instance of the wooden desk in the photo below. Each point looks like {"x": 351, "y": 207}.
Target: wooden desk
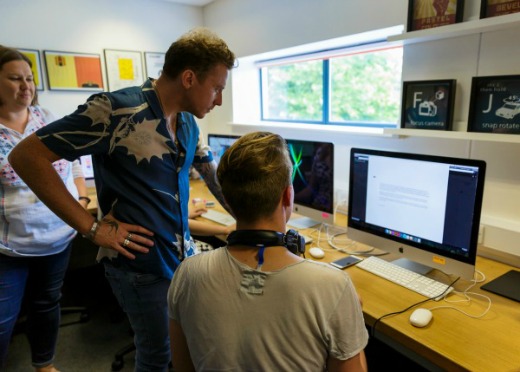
{"x": 452, "y": 341}
{"x": 93, "y": 205}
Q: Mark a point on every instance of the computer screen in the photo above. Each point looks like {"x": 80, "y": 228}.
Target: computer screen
{"x": 88, "y": 169}
{"x": 219, "y": 143}
{"x": 423, "y": 208}
{"x": 86, "y": 166}
{"x": 313, "y": 182}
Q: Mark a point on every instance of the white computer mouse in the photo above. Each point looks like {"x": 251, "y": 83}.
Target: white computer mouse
{"x": 421, "y": 317}
{"x": 316, "y": 252}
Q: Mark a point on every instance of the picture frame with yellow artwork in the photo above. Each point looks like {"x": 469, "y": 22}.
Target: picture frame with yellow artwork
{"x": 124, "y": 68}
{"x": 34, "y": 57}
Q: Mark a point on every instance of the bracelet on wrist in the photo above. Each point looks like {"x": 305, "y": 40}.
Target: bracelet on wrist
{"x": 92, "y": 232}
{"x": 86, "y": 198}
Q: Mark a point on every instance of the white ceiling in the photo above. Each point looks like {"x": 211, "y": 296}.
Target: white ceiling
{"x": 192, "y": 2}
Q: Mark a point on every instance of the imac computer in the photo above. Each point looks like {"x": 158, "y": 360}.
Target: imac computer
{"x": 425, "y": 209}
{"x": 313, "y": 182}
{"x": 220, "y": 143}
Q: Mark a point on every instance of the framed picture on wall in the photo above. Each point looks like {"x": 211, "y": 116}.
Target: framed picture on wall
{"x": 73, "y": 71}
{"x": 428, "y": 104}
{"x": 423, "y": 14}
{"x": 34, "y": 57}
{"x": 495, "y": 104}
{"x": 493, "y": 8}
{"x": 124, "y": 68}
{"x": 154, "y": 64}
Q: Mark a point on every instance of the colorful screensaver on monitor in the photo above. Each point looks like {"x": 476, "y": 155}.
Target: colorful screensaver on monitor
{"x": 313, "y": 173}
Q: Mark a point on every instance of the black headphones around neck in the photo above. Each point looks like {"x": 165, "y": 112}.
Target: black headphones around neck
{"x": 267, "y": 238}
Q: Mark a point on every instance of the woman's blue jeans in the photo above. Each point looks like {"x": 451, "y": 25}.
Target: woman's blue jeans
{"x": 143, "y": 299}
{"x": 40, "y": 279}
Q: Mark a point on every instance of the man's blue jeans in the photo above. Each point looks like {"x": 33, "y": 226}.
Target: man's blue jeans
{"x": 40, "y": 279}
{"x": 143, "y": 298}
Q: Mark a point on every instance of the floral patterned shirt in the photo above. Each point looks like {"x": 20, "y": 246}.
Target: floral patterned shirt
{"x": 141, "y": 169}
{"x": 27, "y": 226}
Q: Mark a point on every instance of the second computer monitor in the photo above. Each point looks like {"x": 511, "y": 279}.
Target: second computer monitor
{"x": 313, "y": 177}
{"x": 219, "y": 143}
{"x": 313, "y": 181}
{"x": 88, "y": 169}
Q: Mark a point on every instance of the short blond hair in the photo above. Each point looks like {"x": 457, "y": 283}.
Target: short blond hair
{"x": 253, "y": 174}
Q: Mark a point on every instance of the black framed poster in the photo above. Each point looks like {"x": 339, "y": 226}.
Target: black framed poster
{"x": 495, "y": 104}
{"x": 428, "y": 104}
{"x": 494, "y": 8}
{"x": 423, "y": 14}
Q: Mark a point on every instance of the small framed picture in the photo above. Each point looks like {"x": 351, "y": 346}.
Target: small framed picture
{"x": 428, "y": 104}
{"x": 154, "y": 63}
{"x": 73, "y": 71}
{"x": 495, "y": 104}
{"x": 124, "y": 68}
{"x": 493, "y": 8}
{"x": 34, "y": 57}
{"x": 423, "y": 14}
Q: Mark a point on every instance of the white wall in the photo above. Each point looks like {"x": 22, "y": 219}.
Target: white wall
{"x": 253, "y": 27}
{"x": 89, "y": 27}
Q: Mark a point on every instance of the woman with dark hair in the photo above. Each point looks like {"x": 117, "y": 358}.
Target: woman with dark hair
{"x": 34, "y": 242}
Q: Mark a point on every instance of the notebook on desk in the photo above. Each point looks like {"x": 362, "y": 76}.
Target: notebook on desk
{"x": 507, "y": 285}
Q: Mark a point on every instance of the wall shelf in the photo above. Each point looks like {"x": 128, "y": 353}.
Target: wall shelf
{"x": 442, "y": 134}
{"x": 459, "y": 29}
{"x": 508, "y": 21}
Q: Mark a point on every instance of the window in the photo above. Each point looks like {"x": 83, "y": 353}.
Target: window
{"x": 358, "y": 86}
{"x": 293, "y": 92}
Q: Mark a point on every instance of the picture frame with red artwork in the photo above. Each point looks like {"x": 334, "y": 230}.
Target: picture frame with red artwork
{"x": 495, "y": 8}
{"x": 424, "y": 14}
{"x": 73, "y": 71}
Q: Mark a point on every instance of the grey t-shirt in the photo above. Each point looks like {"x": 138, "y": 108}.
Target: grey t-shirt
{"x": 239, "y": 319}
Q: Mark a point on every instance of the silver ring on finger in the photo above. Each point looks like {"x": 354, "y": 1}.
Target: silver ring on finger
{"x": 126, "y": 242}
{"x": 129, "y": 236}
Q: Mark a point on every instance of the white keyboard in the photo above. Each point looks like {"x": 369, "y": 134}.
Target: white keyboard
{"x": 416, "y": 282}
{"x": 219, "y": 217}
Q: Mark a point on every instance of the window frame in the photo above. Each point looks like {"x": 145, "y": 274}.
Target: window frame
{"x": 325, "y": 55}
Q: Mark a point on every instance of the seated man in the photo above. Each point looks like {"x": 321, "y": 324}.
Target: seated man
{"x": 256, "y": 305}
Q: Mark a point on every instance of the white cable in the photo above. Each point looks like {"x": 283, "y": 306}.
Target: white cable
{"x": 349, "y": 244}
{"x": 467, "y": 298}
{"x": 315, "y": 234}
{"x": 342, "y": 202}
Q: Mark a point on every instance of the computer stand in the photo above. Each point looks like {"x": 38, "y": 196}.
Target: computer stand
{"x": 412, "y": 266}
{"x": 302, "y": 222}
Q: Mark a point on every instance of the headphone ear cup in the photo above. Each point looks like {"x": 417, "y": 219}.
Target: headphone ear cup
{"x": 295, "y": 242}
